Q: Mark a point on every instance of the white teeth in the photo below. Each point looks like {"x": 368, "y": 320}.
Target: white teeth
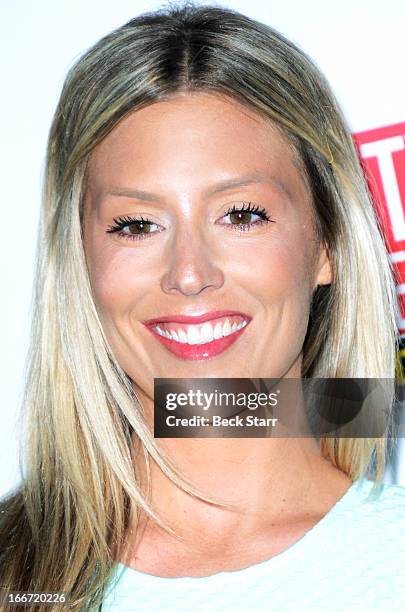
{"x": 193, "y": 335}
{"x": 182, "y": 336}
{"x": 218, "y": 331}
{"x": 226, "y": 330}
{"x": 201, "y": 335}
{"x": 206, "y": 333}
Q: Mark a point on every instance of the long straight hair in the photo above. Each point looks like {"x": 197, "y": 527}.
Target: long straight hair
{"x": 64, "y": 527}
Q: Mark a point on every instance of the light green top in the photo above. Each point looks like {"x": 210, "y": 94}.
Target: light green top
{"x": 352, "y": 559}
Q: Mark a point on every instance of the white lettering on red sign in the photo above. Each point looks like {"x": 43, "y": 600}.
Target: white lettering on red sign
{"x": 383, "y": 153}
{"x": 383, "y": 150}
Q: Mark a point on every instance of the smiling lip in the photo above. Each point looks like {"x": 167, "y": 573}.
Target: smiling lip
{"x": 198, "y": 337}
{"x": 194, "y": 320}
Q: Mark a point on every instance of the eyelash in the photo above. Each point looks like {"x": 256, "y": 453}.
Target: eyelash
{"x": 122, "y": 222}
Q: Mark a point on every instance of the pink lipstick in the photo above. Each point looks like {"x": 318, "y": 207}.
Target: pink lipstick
{"x": 198, "y": 337}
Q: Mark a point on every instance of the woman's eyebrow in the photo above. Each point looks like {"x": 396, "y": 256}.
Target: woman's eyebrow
{"x": 245, "y": 180}
{"x": 224, "y": 185}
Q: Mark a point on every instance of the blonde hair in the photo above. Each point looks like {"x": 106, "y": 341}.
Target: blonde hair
{"x": 63, "y": 528}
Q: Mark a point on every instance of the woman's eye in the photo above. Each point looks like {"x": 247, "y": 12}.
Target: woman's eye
{"x": 245, "y": 217}
{"x": 242, "y": 218}
{"x": 133, "y": 229}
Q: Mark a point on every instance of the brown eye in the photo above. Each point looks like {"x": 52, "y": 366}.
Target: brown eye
{"x": 139, "y": 227}
{"x": 240, "y": 217}
{"x": 132, "y": 228}
{"x": 246, "y": 216}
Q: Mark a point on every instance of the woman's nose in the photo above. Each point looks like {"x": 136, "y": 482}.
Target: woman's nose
{"x": 191, "y": 266}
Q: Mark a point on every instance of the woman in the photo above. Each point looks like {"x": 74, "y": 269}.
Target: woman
{"x": 199, "y": 172}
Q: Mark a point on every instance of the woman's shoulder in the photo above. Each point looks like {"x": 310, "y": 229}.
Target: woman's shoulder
{"x": 368, "y": 497}
{"x": 371, "y": 517}
{"x": 393, "y": 495}
{"x": 375, "y": 513}
{"x": 387, "y": 498}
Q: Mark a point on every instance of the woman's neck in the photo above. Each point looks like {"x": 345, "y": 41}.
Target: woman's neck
{"x": 279, "y": 488}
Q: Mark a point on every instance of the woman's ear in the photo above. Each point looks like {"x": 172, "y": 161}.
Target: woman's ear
{"x": 323, "y": 272}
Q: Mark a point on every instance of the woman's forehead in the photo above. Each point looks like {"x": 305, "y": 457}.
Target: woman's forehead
{"x": 197, "y": 133}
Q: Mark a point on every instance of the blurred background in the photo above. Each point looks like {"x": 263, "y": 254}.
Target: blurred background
{"x": 358, "y": 44}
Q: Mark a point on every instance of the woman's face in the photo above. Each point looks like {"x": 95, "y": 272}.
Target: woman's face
{"x": 175, "y": 174}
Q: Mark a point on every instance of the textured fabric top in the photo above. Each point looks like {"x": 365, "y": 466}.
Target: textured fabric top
{"x": 352, "y": 559}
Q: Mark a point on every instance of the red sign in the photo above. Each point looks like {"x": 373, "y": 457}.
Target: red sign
{"x": 382, "y": 152}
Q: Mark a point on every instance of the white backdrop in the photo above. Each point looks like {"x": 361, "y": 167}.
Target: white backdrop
{"x": 358, "y": 44}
